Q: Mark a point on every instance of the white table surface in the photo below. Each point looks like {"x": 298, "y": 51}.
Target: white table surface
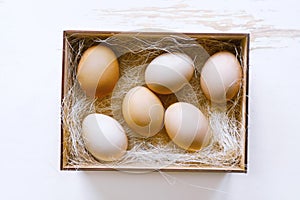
{"x": 30, "y": 83}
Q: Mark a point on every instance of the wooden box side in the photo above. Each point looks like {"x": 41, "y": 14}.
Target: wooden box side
{"x": 63, "y": 133}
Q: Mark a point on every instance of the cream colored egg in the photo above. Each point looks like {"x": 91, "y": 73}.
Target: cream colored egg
{"x": 169, "y": 72}
{"x": 98, "y": 71}
{"x": 104, "y": 137}
{"x": 143, "y": 111}
{"x": 221, "y": 77}
{"x": 187, "y": 126}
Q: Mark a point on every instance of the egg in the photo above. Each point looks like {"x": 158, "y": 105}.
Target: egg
{"x": 169, "y": 72}
{"x": 98, "y": 71}
{"x": 143, "y": 111}
{"x": 104, "y": 137}
{"x": 187, "y": 126}
{"x": 221, "y": 77}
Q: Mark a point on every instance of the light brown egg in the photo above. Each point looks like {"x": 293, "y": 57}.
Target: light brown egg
{"x": 143, "y": 111}
{"x": 221, "y": 77}
{"x": 98, "y": 71}
{"x": 187, "y": 126}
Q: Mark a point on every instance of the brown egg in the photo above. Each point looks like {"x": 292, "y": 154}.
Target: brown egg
{"x": 98, "y": 71}
{"x": 221, "y": 77}
{"x": 143, "y": 111}
{"x": 187, "y": 126}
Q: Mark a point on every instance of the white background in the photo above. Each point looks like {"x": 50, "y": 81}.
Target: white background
{"x": 30, "y": 80}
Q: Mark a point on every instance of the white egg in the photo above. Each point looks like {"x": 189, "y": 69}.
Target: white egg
{"x": 221, "y": 77}
{"x": 187, "y": 126}
{"x": 104, "y": 137}
{"x": 169, "y": 72}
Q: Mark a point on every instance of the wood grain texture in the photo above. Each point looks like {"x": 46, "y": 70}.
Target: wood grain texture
{"x": 187, "y": 15}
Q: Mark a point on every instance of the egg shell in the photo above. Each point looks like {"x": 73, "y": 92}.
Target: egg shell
{"x": 98, "y": 71}
{"x": 187, "y": 126}
{"x": 221, "y": 77}
{"x": 104, "y": 137}
{"x": 169, "y": 72}
{"x": 143, "y": 111}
